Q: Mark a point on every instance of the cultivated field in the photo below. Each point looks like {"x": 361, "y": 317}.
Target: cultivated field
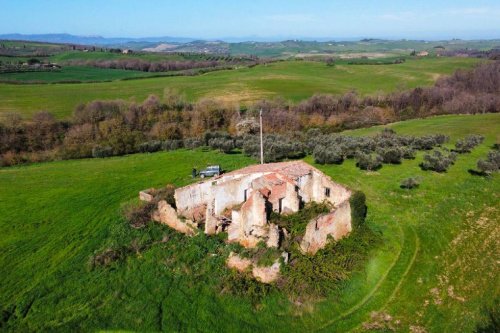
{"x": 74, "y": 73}
{"x": 293, "y": 80}
{"x": 436, "y": 267}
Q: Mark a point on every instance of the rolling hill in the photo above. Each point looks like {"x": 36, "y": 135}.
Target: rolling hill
{"x": 434, "y": 269}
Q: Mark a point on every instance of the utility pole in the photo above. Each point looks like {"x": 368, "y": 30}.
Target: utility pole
{"x": 261, "y": 141}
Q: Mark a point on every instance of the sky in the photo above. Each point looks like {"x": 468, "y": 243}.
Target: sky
{"x": 264, "y": 19}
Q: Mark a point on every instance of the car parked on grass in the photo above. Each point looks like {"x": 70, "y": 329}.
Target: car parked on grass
{"x": 210, "y": 171}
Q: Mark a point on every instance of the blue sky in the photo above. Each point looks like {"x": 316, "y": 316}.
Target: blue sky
{"x": 429, "y": 19}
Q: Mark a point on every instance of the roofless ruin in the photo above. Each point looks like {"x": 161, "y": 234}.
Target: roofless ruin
{"x": 241, "y": 202}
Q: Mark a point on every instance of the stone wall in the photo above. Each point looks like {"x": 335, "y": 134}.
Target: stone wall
{"x": 190, "y": 198}
{"x": 166, "y": 214}
{"x": 249, "y": 223}
{"x": 264, "y": 274}
{"x": 312, "y": 187}
{"x": 336, "y": 224}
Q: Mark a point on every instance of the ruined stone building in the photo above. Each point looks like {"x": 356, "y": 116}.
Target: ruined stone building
{"x": 240, "y": 203}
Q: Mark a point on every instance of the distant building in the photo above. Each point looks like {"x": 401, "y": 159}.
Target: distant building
{"x": 422, "y": 54}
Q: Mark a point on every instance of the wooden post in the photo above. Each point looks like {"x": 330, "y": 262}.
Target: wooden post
{"x": 261, "y": 141}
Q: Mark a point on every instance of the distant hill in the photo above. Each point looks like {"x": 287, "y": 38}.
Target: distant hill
{"x": 372, "y": 47}
{"x": 93, "y": 40}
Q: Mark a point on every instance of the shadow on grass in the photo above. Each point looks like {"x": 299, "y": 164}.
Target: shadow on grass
{"x": 234, "y": 152}
{"x": 477, "y": 173}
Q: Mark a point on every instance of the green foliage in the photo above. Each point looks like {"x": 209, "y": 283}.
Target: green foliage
{"x": 262, "y": 255}
{"x": 468, "y": 143}
{"x": 358, "y": 208}
{"x": 150, "y": 146}
{"x": 100, "y": 152}
{"x": 296, "y": 223}
{"x": 139, "y": 215}
{"x": 392, "y": 155}
{"x": 276, "y": 148}
{"x": 222, "y": 144}
{"x": 308, "y": 278}
{"x": 172, "y": 144}
{"x": 491, "y": 164}
{"x": 370, "y": 162}
{"x": 410, "y": 183}
{"x": 438, "y": 160}
{"x": 324, "y": 155}
{"x": 244, "y": 285}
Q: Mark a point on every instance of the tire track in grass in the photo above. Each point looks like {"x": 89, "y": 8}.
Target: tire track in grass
{"x": 403, "y": 277}
{"x": 407, "y": 271}
{"x": 384, "y": 282}
{"x": 369, "y": 295}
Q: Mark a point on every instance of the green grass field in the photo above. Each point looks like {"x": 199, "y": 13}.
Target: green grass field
{"x": 436, "y": 268}
{"x": 293, "y": 80}
{"x": 75, "y": 73}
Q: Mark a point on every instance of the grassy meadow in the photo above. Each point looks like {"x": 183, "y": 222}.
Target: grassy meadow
{"x": 435, "y": 269}
{"x": 292, "y": 80}
{"x": 74, "y": 73}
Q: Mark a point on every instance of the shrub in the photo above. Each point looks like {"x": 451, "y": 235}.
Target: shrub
{"x": 207, "y": 136}
{"x": 468, "y": 143}
{"x": 296, "y": 223}
{"x": 138, "y": 216}
{"x": 408, "y": 153}
{"x": 166, "y": 193}
{"x": 491, "y": 164}
{"x": 438, "y": 161}
{"x": 244, "y": 285}
{"x": 171, "y": 144}
{"x": 368, "y": 162}
{"x": 324, "y": 155}
{"x": 410, "y": 183}
{"x": 225, "y": 145}
{"x": 358, "y": 208}
{"x": 150, "y": 146}
{"x": 265, "y": 256}
{"x": 428, "y": 142}
{"x": 101, "y": 152}
{"x": 392, "y": 155}
{"x": 276, "y": 148}
{"x": 107, "y": 257}
{"x": 192, "y": 143}
{"x": 312, "y": 277}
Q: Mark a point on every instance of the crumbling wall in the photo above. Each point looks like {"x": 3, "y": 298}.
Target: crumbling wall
{"x": 291, "y": 201}
{"x": 189, "y": 199}
{"x": 238, "y": 263}
{"x": 230, "y": 193}
{"x": 336, "y": 224}
{"x": 264, "y": 274}
{"x": 312, "y": 187}
{"x": 249, "y": 223}
{"x": 146, "y": 195}
{"x": 166, "y": 214}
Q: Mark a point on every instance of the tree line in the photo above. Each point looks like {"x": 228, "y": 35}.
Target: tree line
{"x": 163, "y": 66}
{"x": 117, "y": 127}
